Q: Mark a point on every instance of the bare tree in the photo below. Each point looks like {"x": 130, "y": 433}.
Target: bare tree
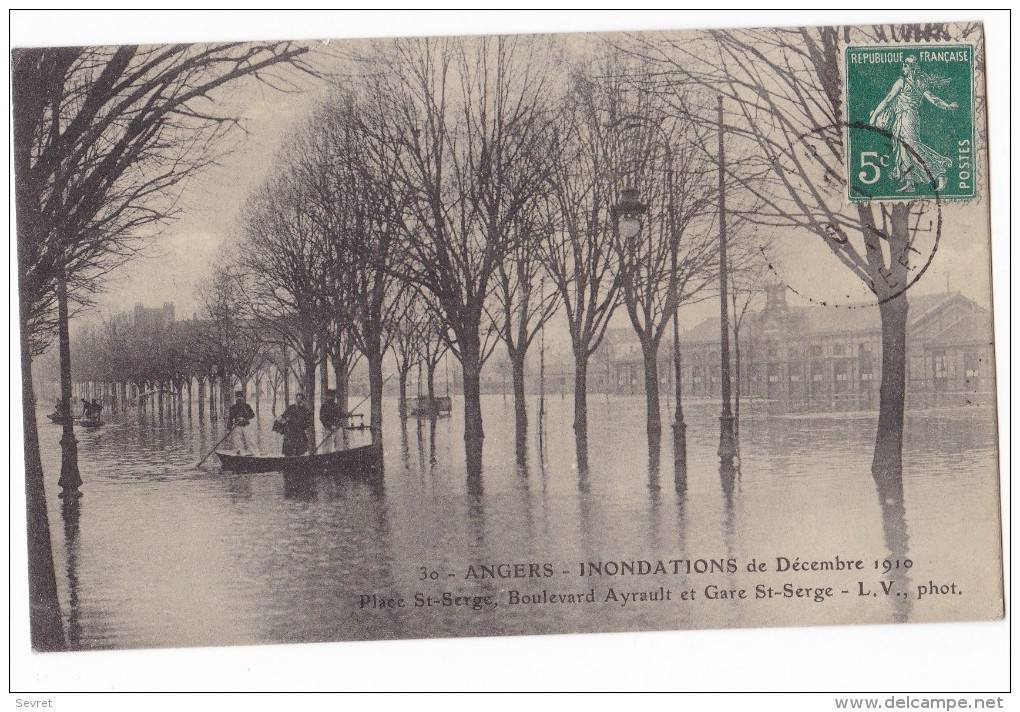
{"x": 666, "y": 248}
{"x": 234, "y": 336}
{"x": 783, "y": 90}
{"x": 281, "y": 252}
{"x": 408, "y": 334}
{"x": 471, "y": 120}
{"x": 521, "y": 310}
{"x": 747, "y": 284}
{"x": 343, "y": 354}
{"x": 433, "y": 345}
{"x": 104, "y": 138}
{"x": 349, "y": 165}
{"x": 579, "y": 255}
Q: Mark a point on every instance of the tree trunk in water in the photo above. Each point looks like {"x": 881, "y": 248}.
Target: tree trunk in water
{"x": 47, "y": 630}
{"x": 70, "y": 478}
{"x": 323, "y": 373}
{"x": 520, "y": 406}
{"x": 581, "y": 411}
{"x": 340, "y": 371}
{"x": 44, "y": 609}
{"x": 212, "y": 400}
{"x": 736, "y": 385}
{"x": 402, "y": 394}
{"x": 375, "y": 393}
{"x": 652, "y": 395}
{"x": 679, "y": 423}
{"x": 286, "y": 387}
{"x": 201, "y": 398}
{"x": 309, "y": 384}
{"x": 431, "y": 381}
{"x": 226, "y": 397}
{"x": 474, "y": 434}
{"x": 887, "y": 465}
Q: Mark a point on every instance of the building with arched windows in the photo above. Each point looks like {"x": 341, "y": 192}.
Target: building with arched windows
{"x": 830, "y": 357}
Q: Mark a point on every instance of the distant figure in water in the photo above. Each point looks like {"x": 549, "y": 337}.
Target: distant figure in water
{"x": 293, "y": 424}
{"x": 95, "y": 409}
{"x": 240, "y": 415}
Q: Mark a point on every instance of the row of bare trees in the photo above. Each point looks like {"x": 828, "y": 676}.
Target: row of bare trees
{"x": 222, "y": 348}
{"x": 443, "y": 181}
{"x": 460, "y": 194}
{"x": 499, "y": 181}
{"x": 105, "y": 139}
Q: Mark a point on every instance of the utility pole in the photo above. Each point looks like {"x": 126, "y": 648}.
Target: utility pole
{"x": 727, "y": 442}
{"x": 679, "y": 426}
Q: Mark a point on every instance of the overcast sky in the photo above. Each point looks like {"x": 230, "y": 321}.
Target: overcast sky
{"x": 183, "y": 255}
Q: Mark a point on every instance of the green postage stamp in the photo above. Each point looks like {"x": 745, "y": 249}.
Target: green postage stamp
{"x": 910, "y": 121}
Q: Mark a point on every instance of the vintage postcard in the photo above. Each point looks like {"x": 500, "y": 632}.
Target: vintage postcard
{"x": 507, "y": 335}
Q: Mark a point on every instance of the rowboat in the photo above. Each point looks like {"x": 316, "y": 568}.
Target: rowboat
{"x": 353, "y": 461}
{"x": 84, "y": 422}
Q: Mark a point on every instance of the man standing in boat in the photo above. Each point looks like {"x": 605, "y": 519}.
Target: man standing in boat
{"x": 330, "y": 415}
{"x": 293, "y": 424}
{"x": 240, "y": 415}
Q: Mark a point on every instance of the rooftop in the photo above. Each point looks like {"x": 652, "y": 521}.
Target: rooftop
{"x": 821, "y": 320}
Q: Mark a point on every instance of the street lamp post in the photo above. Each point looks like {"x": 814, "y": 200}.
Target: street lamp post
{"x": 631, "y": 208}
{"x": 727, "y": 441}
{"x": 70, "y": 477}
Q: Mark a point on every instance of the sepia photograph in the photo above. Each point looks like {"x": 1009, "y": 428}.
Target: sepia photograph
{"x": 483, "y": 329}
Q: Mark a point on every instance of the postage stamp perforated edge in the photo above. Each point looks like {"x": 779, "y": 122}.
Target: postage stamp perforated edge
{"x": 852, "y": 124}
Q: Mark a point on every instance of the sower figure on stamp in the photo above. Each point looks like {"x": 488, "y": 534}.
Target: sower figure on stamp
{"x": 240, "y": 415}
{"x": 899, "y": 113}
{"x": 293, "y": 424}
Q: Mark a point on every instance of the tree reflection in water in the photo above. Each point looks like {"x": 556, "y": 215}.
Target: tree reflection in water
{"x": 70, "y": 512}
{"x": 311, "y": 551}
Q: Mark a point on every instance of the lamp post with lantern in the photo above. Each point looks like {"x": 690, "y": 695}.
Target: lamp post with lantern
{"x": 630, "y": 210}
{"x": 727, "y": 440}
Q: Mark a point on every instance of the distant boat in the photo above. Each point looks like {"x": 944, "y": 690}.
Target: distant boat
{"x": 424, "y": 407}
{"x": 154, "y": 391}
{"x": 87, "y": 422}
{"x": 352, "y": 461}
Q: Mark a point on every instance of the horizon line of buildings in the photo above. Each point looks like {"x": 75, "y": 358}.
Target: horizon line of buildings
{"x": 801, "y": 356}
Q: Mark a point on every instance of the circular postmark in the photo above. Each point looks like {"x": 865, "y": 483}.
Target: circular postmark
{"x": 897, "y": 238}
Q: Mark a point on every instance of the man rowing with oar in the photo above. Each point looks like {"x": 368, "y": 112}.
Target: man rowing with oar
{"x": 240, "y": 415}
{"x": 331, "y": 415}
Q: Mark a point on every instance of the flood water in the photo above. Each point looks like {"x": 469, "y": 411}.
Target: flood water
{"x": 159, "y": 553}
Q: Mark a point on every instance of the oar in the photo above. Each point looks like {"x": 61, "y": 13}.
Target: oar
{"x": 214, "y": 447}
{"x": 362, "y": 401}
{"x": 333, "y": 430}
{"x": 328, "y": 436}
